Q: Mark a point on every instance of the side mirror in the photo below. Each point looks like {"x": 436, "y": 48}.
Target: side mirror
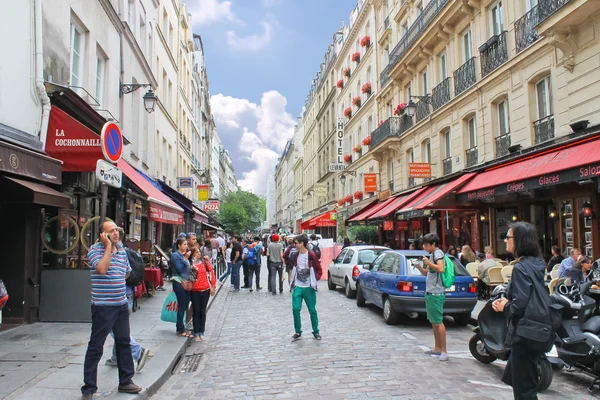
{"x": 369, "y": 266}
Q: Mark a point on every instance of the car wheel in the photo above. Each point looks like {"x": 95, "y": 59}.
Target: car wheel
{"x": 462, "y": 319}
{"x": 544, "y": 374}
{"x": 348, "y": 290}
{"x": 330, "y": 283}
{"x": 390, "y": 316}
{"x": 478, "y": 350}
{"x": 360, "y": 300}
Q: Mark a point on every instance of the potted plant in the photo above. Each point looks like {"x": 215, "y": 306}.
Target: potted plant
{"x": 348, "y": 199}
{"x": 348, "y": 112}
{"x": 340, "y": 202}
{"x": 365, "y": 41}
{"x": 356, "y": 101}
{"x": 348, "y": 158}
{"x": 358, "y": 195}
{"x": 357, "y": 149}
{"x": 366, "y": 88}
{"x": 367, "y": 141}
{"x": 356, "y": 57}
{"x": 380, "y": 123}
{"x": 346, "y": 72}
{"x": 400, "y": 109}
{"x": 340, "y": 83}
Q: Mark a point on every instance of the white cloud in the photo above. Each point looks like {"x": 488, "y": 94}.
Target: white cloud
{"x": 207, "y": 11}
{"x": 254, "y": 134}
{"x": 253, "y": 42}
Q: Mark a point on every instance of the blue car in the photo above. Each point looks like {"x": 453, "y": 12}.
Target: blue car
{"x": 393, "y": 283}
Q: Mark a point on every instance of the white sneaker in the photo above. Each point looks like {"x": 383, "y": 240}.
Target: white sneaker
{"x": 143, "y": 358}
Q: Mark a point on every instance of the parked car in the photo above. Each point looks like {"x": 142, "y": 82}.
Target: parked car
{"x": 394, "y": 284}
{"x": 349, "y": 264}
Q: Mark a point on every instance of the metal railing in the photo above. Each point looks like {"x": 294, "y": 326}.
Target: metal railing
{"x": 544, "y": 129}
{"x": 405, "y": 123}
{"x": 384, "y": 78}
{"x": 440, "y": 94}
{"x": 447, "y": 165}
{"x": 494, "y": 53}
{"x": 464, "y": 77}
{"x": 549, "y": 7}
{"x": 411, "y": 182}
{"x": 502, "y": 145}
{"x": 422, "y": 110}
{"x": 525, "y": 27}
{"x": 472, "y": 156}
{"x": 390, "y": 127}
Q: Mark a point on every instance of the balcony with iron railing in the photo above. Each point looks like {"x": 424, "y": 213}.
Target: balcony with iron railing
{"x": 447, "y": 166}
{"x": 502, "y": 145}
{"x": 440, "y": 94}
{"x": 384, "y": 77}
{"x": 525, "y": 27}
{"x": 393, "y": 126}
{"x": 465, "y": 77}
{"x": 422, "y": 110}
{"x": 472, "y": 156}
{"x": 493, "y": 53}
{"x": 544, "y": 129}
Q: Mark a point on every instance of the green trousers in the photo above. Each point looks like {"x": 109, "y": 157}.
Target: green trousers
{"x": 309, "y": 295}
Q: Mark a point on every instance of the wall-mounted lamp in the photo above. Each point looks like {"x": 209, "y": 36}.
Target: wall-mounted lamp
{"x": 552, "y": 211}
{"x": 483, "y": 217}
{"x": 343, "y": 176}
{"x": 515, "y": 218}
{"x": 149, "y": 97}
{"x": 411, "y": 108}
{"x": 586, "y": 209}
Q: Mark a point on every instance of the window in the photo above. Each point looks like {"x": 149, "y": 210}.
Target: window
{"x": 404, "y": 28}
{"x": 443, "y": 65}
{"x": 503, "y": 126}
{"x": 543, "y": 91}
{"x": 391, "y": 173}
{"x": 408, "y": 92}
{"x": 467, "y": 46}
{"x": 497, "y": 23}
{"x": 387, "y": 264}
{"x": 348, "y": 256}
{"x": 142, "y": 35}
{"x": 472, "y": 132}
{"x": 426, "y": 156}
{"x": 529, "y": 4}
{"x": 446, "y": 144}
{"x": 100, "y": 73}
{"x": 131, "y": 15}
{"x": 424, "y": 85}
{"x": 77, "y": 50}
{"x": 390, "y": 110}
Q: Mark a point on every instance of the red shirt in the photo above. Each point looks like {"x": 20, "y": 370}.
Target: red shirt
{"x": 201, "y": 283}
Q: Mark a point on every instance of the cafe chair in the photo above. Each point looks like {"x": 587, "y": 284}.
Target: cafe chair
{"x": 496, "y": 278}
{"x": 132, "y": 244}
{"x": 472, "y": 269}
{"x": 556, "y": 267}
{"x": 554, "y": 273}
{"x": 146, "y": 252}
{"x": 506, "y": 272}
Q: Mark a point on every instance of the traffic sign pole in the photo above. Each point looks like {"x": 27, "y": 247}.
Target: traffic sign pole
{"x": 111, "y": 142}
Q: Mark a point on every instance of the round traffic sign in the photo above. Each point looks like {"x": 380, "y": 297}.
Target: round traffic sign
{"x": 111, "y": 141}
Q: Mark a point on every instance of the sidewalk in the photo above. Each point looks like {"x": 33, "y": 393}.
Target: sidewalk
{"x": 45, "y": 360}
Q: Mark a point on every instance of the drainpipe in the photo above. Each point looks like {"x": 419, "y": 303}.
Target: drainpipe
{"x": 39, "y": 72}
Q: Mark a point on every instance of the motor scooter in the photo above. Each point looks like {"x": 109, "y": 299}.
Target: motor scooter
{"x": 487, "y": 343}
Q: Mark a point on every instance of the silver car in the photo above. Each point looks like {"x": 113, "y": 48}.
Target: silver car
{"x": 351, "y": 261}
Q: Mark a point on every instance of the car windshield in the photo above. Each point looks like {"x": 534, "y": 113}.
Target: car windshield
{"x": 368, "y": 256}
{"x": 412, "y": 261}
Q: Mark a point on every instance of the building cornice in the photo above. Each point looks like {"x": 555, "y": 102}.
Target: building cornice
{"x": 112, "y": 14}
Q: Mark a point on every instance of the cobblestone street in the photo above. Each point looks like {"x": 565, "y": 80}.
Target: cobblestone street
{"x": 249, "y": 354}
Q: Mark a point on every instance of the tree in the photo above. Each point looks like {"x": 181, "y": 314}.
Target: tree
{"x": 241, "y": 211}
{"x": 368, "y": 234}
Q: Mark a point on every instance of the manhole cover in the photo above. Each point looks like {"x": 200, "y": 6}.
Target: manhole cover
{"x": 189, "y": 363}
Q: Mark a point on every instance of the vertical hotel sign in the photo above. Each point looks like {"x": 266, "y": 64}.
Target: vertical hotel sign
{"x": 339, "y": 143}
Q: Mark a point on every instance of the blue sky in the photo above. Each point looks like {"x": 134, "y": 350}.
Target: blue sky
{"x": 261, "y": 57}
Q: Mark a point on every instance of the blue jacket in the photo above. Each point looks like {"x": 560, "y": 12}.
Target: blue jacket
{"x": 181, "y": 265}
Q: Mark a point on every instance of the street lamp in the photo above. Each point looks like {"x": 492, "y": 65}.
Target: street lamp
{"x": 343, "y": 176}
{"x": 149, "y": 101}
{"x": 411, "y": 108}
{"x": 149, "y": 97}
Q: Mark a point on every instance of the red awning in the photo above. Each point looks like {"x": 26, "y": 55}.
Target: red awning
{"x": 161, "y": 208}
{"x": 199, "y": 216}
{"x": 396, "y": 204}
{"x": 584, "y": 155}
{"x": 378, "y": 207}
{"x": 77, "y": 146}
{"x": 320, "y": 221}
{"x": 360, "y": 215}
{"x": 435, "y": 193}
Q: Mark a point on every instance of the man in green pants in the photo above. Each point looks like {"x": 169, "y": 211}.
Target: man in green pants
{"x": 306, "y": 273}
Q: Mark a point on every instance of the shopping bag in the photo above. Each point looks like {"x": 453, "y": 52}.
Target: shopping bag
{"x": 169, "y": 309}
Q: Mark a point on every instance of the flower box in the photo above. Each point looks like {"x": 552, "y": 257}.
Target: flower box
{"x": 340, "y": 83}
{"x": 348, "y": 199}
{"x": 357, "y": 149}
{"x": 358, "y": 195}
{"x": 366, "y": 88}
{"x": 365, "y": 41}
{"x": 400, "y": 109}
{"x": 346, "y": 72}
{"x": 357, "y": 101}
{"x": 367, "y": 141}
{"x": 348, "y": 158}
{"x": 356, "y": 57}
{"x": 348, "y": 112}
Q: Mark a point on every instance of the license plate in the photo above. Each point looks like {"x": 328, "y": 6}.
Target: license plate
{"x": 451, "y": 289}
{"x": 552, "y": 352}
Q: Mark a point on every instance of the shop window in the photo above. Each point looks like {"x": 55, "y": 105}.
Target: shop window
{"x": 504, "y": 217}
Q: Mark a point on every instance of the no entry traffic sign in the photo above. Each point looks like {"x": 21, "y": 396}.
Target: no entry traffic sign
{"x": 111, "y": 141}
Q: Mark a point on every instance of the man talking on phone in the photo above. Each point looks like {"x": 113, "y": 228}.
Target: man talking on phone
{"x": 109, "y": 268}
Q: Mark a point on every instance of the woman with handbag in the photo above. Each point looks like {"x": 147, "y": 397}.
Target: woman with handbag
{"x": 204, "y": 287}
{"x": 528, "y": 273}
{"x": 182, "y": 285}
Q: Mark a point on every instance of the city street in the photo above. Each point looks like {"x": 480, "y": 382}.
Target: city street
{"x": 248, "y": 354}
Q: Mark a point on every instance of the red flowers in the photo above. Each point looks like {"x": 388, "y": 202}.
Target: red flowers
{"x": 357, "y": 148}
{"x": 348, "y": 199}
{"x": 367, "y": 141}
{"x": 400, "y": 109}
{"x": 346, "y": 72}
{"x": 348, "y": 112}
{"x": 358, "y": 195}
{"x": 340, "y": 202}
{"x": 340, "y": 83}
{"x": 356, "y": 57}
{"x": 380, "y": 123}
{"x": 366, "y": 88}
{"x": 365, "y": 41}
{"x": 348, "y": 158}
{"x": 356, "y": 101}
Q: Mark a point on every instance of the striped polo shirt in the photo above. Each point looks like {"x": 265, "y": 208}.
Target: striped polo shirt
{"x": 109, "y": 289}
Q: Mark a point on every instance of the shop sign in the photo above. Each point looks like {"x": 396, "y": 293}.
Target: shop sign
{"x": 109, "y": 174}
{"x": 370, "y": 183}
{"x": 402, "y": 225}
{"x": 337, "y": 167}
{"x": 203, "y": 192}
{"x": 386, "y": 194}
{"x": 159, "y": 213}
{"x": 419, "y": 170}
{"x": 333, "y": 216}
{"x": 185, "y": 183}
{"x": 339, "y": 141}
{"x": 413, "y": 214}
{"x": 415, "y": 225}
{"x": 212, "y": 205}
{"x": 19, "y": 161}
{"x": 388, "y": 225}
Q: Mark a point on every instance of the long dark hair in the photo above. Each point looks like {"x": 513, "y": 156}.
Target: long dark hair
{"x": 180, "y": 241}
{"x": 525, "y": 238}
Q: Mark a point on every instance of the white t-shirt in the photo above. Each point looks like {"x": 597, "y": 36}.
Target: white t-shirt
{"x": 302, "y": 271}
{"x": 221, "y": 241}
{"x": 228, "y": 255}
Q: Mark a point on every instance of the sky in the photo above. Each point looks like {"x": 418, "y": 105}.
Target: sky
{"x": 261, "y": 57}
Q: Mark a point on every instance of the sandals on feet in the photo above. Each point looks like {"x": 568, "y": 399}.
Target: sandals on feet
{"x": 184, "y": 334}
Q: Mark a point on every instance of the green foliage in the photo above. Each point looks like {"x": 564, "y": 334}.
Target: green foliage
{"x": 368, "y": 234}
{"x": 242, "y": 211}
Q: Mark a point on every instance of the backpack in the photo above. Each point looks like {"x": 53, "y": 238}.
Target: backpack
{"x": 252, "y": 256}
{"x": 316, "y": 249}
{"x": 136, "y": 276}
{"x": 448, "y": 274}
{"x": 3, "y": 295}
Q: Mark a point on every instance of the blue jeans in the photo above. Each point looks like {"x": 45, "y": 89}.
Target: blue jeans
{"x": 183, "y": 301}
{"x": 105, "y": 319}
{"x": 235, "y": 274}
{"x": 136, "y": 349}
{"x": 226, "y": 274}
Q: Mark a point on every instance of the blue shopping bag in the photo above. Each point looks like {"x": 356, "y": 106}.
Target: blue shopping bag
{"x": 169, "y": 309}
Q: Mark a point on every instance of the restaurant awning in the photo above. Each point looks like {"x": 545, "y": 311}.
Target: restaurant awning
{"x": 199, "y": 216}
{"x": 22, "y": 191}
{"x": 161, "y": 207}
{"x": 567, "y": 164}
{"x": 393, "y": 205}
{"x": 208, "y": 227}
{"x": 327, "y": 219}
{"x": 360, "y": 215}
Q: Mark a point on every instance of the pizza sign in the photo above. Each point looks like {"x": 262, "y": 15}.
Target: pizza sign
{"x": 212, "y": 205}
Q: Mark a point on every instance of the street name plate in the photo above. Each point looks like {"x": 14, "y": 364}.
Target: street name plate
{"x": 109, "y": 174}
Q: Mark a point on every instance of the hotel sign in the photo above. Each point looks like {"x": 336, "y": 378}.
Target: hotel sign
{"x": 339, "y": 141}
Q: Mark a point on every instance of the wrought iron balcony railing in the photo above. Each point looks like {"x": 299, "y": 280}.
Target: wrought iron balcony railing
{"x": 390, "y": 127}
{"x": 544, "y": 129}
{"x": 525, "y": 27}
{"x": 405, "y": 123}
{"x": 440, "y": 94}
{"x": 464, "y": 77}
{"x": 447, "y": 164}
{"x": 502, "y": 145}
{"x": 472, "y": 156}
{"x": 384, "y": 77}
{"x": 494, "y": 53}
{"x": 422, "y": 110}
